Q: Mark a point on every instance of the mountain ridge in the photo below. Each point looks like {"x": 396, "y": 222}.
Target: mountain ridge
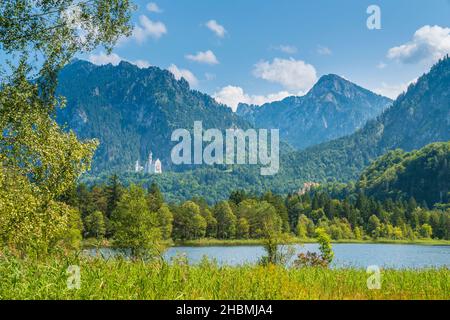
{"x": 133, "y": 111}
{"x": 417, "y": 118}
{"x": 334, "y": 107}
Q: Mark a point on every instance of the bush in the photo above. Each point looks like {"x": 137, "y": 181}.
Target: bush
{"x": 312, "y": 259}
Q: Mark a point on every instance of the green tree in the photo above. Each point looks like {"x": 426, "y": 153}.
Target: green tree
{"x": 279, "y": 204}
{"x": 426, "y": 231}
{"x": 305, "y": 227}
{"x": 373, "y": 226}
{"x": 199, "y": 226}
{"x": 325, "y": 247}
{"x": 45, "y": 160}
{"x": 358, "y": 233}
{"x": 243, "y": 228}
{"x": 94, "y": 225}
{"x": 226, "y": 220}
{"x": 211, "y": 222}
{"x": 113, "y": 192}
{"x": 188, "y": 221}
{"x": 72, "y": 236}
{"x": 165, "y": 221}
{"x": 135, "y": 226}
{"x": 155, "y": 197}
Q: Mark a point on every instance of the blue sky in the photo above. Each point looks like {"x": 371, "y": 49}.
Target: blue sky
{"x": 260, "y": 50}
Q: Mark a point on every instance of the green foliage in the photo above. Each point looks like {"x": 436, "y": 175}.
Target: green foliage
{"x": 188, "y": 222}
{"x": 426, "y": 230}
{"x": 243, "y": 229}
{"x": 39, "y": 162}
{"x": 423, "y": 175}
{"x": 57, "y": 30}
{"x": 113, "y": 193}
{"x": 30, "y": 223}
{"x": 356, "y": 217}
{"x": 135, "y": 226}
{"x": 165, "y": 221}
{"x": 155, "y": 198}
{"x": 226, "y": 221}
{"x": 325, "y": 248}
{"x": 95, "y": 225}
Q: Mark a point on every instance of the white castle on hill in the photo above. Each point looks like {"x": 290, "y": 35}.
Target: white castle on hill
{"x": 150, "y": 167}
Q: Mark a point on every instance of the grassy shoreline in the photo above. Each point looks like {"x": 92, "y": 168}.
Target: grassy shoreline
{"x": 136, "y": 280}
{"x": 93, "y": 243}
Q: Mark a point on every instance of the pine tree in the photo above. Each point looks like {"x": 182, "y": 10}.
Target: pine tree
{"x": 114, "y": 191}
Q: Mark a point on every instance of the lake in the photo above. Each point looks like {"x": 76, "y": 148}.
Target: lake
{"x": 396, "y": 256}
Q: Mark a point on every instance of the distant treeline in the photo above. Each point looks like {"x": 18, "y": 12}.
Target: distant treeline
{"x": 116, "y": 212}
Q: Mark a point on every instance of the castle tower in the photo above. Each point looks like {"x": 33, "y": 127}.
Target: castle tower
{"x": 150, "y": 157}
{"x": 158, "y": 167}
{"x": 149, "y": 164}
{"x": 137, "y": 167}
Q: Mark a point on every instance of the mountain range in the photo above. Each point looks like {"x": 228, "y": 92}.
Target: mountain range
{"x": 333, "y": 108}
{"x": 132, "y": 110}
{"x": 417, "y": 117}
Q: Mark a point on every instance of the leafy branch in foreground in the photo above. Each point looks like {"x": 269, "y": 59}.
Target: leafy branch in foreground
{"x": 39, "y": 161}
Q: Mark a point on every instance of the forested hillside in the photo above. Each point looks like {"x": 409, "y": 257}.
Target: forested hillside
{"x": 417, "y": 118}
{"x": 423, "y": 175}
{"x": 132, "y": 111}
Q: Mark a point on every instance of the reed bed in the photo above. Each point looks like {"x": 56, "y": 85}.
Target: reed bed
{"x": 125, "y": 279}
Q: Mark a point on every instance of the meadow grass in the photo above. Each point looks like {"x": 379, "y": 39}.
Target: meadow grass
{"x": 125, "y": 279}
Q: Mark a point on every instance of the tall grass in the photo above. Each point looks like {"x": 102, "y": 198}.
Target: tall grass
{"x": 124, "y": 279}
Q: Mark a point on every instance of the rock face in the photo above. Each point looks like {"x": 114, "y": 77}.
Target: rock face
{"x": 133, "y": 111}
{"x": 333, "y": 108}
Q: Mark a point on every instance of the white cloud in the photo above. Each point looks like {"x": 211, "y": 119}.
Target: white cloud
{"x": 148, "y": 28}
{"x": 292, "y": 74}
{"x": 207, "y": 57}
{"x": 381, "y": 65}
{"x": 153, "y": 7}
{"x": 114, "y": 59}
{"x": 103, "y": 58}
{"x": 429, "y": 44}
{"x": 393, "y": 90}
{"x": 232, "y": 96}
{"x": 324, "y": 51}
{"x": 287, "y": 49}
{"x": 215, "y": 27}
{"x": 183, "y": 73}
{"x": 141, "y": 63}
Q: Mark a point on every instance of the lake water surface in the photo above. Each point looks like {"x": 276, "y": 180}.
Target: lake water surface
{"x": 396, "y": 256}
